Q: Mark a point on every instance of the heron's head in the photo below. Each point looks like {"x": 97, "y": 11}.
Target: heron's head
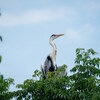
{"x": 54, "y": 36}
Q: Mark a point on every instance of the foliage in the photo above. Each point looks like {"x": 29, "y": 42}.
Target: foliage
{"x": 83, "y": 84}
{"x": 4, "y": 87}
{"x": 37, "y": 89}
{"x": 0, "y": 56}
{"x": 85, "y": 78}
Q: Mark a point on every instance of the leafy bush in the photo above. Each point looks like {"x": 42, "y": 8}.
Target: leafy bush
{"x": 83, "y": 84}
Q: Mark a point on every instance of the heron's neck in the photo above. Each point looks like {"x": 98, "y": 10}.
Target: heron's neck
{"x": 53, "y": 54}
{"x": 53, "y": 45}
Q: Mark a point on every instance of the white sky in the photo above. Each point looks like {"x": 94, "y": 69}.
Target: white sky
{"x": 26, "y": 26}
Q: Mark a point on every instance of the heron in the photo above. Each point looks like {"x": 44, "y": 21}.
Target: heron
{"x": 50, "y": 62}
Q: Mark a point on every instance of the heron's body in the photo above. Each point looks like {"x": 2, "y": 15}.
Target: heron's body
{"x": 50, "y": 62}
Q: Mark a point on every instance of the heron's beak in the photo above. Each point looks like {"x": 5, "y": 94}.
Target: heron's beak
{"x": 59, "y": 35}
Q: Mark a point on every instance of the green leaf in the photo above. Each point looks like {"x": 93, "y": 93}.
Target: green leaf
{"x": 0, "y": 38}
{"x": 0, "y": 58}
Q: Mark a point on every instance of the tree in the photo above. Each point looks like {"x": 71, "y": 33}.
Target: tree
{"x": 4, "y": 84}
{"x": 84, "y": 84}
{"x": 4, "y": 87}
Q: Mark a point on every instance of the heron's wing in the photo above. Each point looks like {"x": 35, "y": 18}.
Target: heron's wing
{"x": 47, "y": 63}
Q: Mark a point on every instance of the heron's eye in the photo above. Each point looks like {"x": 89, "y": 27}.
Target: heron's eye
{"x": 53, "y": 35}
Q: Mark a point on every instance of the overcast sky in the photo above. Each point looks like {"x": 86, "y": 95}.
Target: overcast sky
{"x": 26, "y": 26}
